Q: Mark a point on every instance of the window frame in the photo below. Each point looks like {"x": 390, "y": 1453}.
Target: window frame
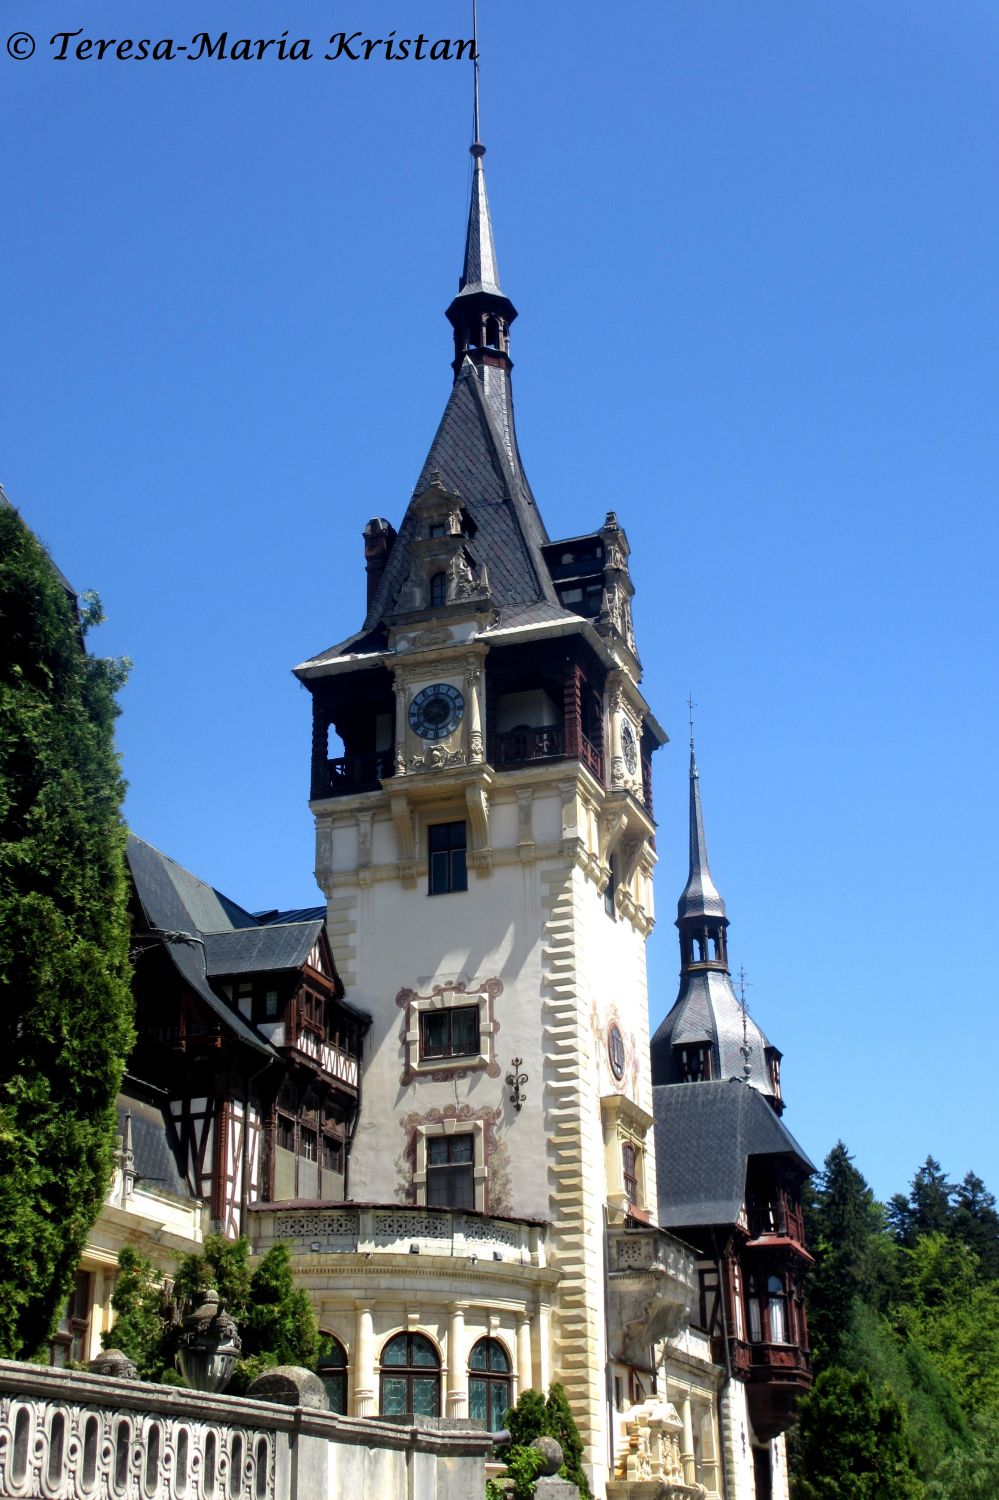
{"x": 480, "y": 1172}
{"x": 495, "y": 1383}
{"x": 448, "y": 1013}
{"x": 408, "y": 1371}
{"x": 451, "y": 862}
{"x": 447, "y": 1172}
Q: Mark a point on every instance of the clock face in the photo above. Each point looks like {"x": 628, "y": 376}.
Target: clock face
{"x": 436, "y": 711}
{"x": 630, "y": 749}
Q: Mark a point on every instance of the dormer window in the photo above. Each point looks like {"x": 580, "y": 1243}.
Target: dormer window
{"x": 438, "y": 589}
{"x": 695, "y": 1063}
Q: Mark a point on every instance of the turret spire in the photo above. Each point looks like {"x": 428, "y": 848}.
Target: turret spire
{"x": 700, "y": 898}
{"x": 480, "y": 314}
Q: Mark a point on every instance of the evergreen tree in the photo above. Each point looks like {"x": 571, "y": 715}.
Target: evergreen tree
{"x": 141, "y": 1329}
{"x": 976, "y": 1223}
{"x": 526, "y": 1420}
{"x": 843, "y": 1230}
{"x": 279, "y": 1322}
{"x": 927, "y": 1209}
{"x": 853, "y": 1442}
{"x": 561, "y": 1425}
{"x": 65, "y": 1003}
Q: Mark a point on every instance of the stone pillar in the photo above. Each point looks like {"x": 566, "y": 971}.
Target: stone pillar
{"x": 473, "y": 680}
{"x": 709, "y": 1450}
{"x": 524, "y": 1371}
{"x": 543, "y": 1364}
{"x": 400, "y": 723}
{"x": 457, "y": 1358}
{"x": 365, "y": 1397}
{"x": 615, "y": 705}
{"x": 687, "y": 1441}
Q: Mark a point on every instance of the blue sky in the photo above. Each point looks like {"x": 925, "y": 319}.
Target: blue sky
{"x": 754, "y": 248}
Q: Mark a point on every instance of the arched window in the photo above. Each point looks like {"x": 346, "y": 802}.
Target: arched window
{"x": 438, "y": 590}
{"x": 410, "y": 1377}
{"x": 332, "y": 1371}
{"x": 488, "y": 1384}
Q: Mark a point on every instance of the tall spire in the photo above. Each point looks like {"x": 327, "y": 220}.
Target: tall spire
{"x": 480, "y": 314}
{"x": 700, "y": 898}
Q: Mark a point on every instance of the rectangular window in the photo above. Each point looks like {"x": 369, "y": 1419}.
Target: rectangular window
{"x": 708, "y": 1309}
{"x": 308, "y": 1144}
{"x": 450, "y": 1163}
{"x": 610, "y": 890}
{"x": 332, "y": 1154}
{"x": 447, "y": 871}
{"x": 629, "y": 1171}
{"x": 450, "y": 1033}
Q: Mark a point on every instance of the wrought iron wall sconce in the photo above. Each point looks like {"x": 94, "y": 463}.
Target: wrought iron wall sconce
{"x": 516, "y": 1079}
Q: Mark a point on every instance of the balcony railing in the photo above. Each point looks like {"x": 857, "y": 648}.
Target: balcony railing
{"x": 777, "y": 1219}
{"x": 591, "y": 757}
{"x": 518, "y": 745}
{"x": 349, "y": 774}
{"x": 332, "y": 1060}
{"x": 345, "y": 1229}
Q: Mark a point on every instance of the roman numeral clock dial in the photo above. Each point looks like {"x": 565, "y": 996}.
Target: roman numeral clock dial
{"x": 436, "y": 711}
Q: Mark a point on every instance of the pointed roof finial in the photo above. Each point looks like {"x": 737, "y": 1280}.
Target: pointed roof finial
{"x": 475, "y": 68}
{"x": 700, "y": 896}
{"x": 745, "y": 1049}
{"x": 480, "y": 273}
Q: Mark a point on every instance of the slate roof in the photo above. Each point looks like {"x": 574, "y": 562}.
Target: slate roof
{"x": 255, "y": 950}
{"x": 706, "y": 1134}
{"x": 708, "y": 1010}
{"x": 479, "y": 272}
{"x": 153, "y": 1157}
{"x": 700, "y": 897}
{"x": 293, "y": 914}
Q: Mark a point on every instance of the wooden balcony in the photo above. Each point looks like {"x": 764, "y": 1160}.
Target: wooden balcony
{"x": 347, "y": 775}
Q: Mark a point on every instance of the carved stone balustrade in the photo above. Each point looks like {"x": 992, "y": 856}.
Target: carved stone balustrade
{"x": 68, "y": 1436}
{"x": 653, "y": 1282}
{"x": 346, "y": 1229}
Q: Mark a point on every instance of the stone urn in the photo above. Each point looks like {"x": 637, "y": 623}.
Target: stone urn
{"x": 209, "y": 1346}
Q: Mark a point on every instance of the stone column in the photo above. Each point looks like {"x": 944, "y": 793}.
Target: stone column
{"x": 687, "y": 1442}
{"x": 365, "y": 1396}
{"x": 473, "y": 679}
{"x": 615, "y": 705}
{"x": 709, "y": 1450}
{"x": 543, "y": 1364}
{"x": 525, "y": 1377}
{"x": 400, "y": 722}
{"x": 457, "y": 1359}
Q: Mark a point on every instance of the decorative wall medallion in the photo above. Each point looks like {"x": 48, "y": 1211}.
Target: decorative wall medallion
{"x": 630, "y": 749}
{"x": 615, "y": 1050}
{"x": 436, "y": 711}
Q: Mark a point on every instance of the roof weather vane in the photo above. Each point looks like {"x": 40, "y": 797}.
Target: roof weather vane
{"x": 691, "y": 705}
{"x": 745, "y": 1049}
{"x": 475, "y": 72}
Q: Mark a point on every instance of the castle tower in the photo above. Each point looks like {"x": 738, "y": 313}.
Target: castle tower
{"x": 481, "y": 786}
{"x": 730, "y": 1179}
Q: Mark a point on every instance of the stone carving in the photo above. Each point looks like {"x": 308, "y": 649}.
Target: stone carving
{"x": 58, "y": 1448}
{"x": 436, "y": 758}
{"x": 114, "y": 1363}
{"x": 551, "y": 1452}
{"x": 317, "y": 1226}
{"x": 652, "y": 1285}
{"x": 437, "y": 635}
{"x": 290, "y": 1385}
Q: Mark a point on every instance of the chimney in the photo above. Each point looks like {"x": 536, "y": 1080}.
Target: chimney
{"x": 379, "y": 535}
